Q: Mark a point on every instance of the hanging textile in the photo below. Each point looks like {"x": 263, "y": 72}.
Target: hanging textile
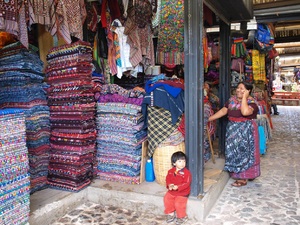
{"x": 205, "y": 53}
{"x": 238, "y": 48}
{"x": 68, "y": 19}
{"x": 9, "y": 17}
{"x": 170, "y": 46}
{"x": 258, "y": 65}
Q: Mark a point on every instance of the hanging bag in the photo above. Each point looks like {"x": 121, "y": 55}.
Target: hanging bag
{"x": 273, "y": 53}
{"x": 238, "y": 64}
{"x": 263, "y": 33}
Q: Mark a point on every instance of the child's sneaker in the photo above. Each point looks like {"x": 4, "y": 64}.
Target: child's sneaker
{"x": 170, "y": 218}
{"x": 181, "y": 220}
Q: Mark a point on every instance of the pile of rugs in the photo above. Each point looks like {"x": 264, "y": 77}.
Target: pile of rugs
{"x": 72, "y": 116}
{"x": 120, "y": 126}
{"x": 14, "y": 176}
{"x": 22, "y": 86}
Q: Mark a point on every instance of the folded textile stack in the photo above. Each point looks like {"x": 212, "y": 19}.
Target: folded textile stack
{"x": 21, "y": 86}
{"x": 120, "y": 134}
{"x": 14, "y": 176}
{"x": 72, "y": 116}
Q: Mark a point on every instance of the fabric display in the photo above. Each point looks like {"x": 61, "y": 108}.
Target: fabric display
{"x": 248, "y": 68}
{"x": 263, "y": 121}
{"x": 258, "y": 65}
{"x": 127, "y": 46}
{"x": 206, "y": 51}
{"x": 237, "y": 71}
{"x": 72, "y": 116}
{"x": 22, "y": 86}
{"x": 264, "y": 38}
{"x": 163, "y": 108}
{"x": 264, "y": 132}
{"x": 64, "y": 18}
{"x": 236, "y": 78}
{"x": 120, "y": 134}
{"x": 14, "y": 168}
{"x": 238, "y": 64}
{"x": 238, "y": 48}
{"x": 212, "y": 74}
{"x": 170, "y": 46}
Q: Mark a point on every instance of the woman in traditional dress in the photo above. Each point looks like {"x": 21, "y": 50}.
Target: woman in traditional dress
{"x": 242, "y": 158}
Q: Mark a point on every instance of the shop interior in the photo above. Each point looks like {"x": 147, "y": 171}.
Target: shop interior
{"x": 69, "y": 127}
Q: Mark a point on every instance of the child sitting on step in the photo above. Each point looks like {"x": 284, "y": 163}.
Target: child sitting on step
{"x": 178, "y": 183}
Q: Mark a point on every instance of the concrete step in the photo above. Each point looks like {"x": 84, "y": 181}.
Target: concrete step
{"x": 50, "y": 204}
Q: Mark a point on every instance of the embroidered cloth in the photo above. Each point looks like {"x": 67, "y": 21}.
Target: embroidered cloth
{"x": 170, "y": 46}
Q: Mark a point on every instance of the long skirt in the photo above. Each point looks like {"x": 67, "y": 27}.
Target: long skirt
{"x": 242, "y": 157}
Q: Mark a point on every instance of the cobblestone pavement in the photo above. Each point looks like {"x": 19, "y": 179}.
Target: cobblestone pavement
{"x": 271, "y": 199}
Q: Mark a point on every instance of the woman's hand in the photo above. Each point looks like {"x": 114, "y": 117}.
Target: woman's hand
{"x": 246, "y": 94}
{"x": 246, "y": 110}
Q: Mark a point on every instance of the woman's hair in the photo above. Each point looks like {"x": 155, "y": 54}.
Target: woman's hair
{"x": 177, "y": 156}
{"x": 247, "y": 85}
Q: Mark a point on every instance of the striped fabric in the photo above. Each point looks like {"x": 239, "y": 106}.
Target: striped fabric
{"x": 72, "y": 108}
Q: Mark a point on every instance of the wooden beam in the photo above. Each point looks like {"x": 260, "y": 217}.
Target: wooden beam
{"x": 275, "y": 4}
{"x": 287, "y": 45}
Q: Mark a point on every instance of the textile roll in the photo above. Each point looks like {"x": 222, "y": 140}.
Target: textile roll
{"x": 162, "y": 161}
{"x": 148, "y": 71}
{"x": 156, "y": 70}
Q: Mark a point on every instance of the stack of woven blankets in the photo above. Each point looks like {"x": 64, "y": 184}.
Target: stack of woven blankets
{"x": 120, "y": 134}
{"x": 21, "y": 86}
{"x": 14, "y": 176}
{"x": 72, "y": 116}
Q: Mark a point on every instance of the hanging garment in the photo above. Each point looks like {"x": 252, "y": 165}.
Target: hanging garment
{"x": 262, "y": 140}
{"x": 170, "y": 46}
{"x": 122, "y": 48}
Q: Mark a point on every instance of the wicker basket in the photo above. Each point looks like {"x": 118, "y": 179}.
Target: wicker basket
{"x": 162, "y": 161}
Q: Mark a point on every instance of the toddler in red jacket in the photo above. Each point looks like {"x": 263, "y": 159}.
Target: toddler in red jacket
{"x": 178, "y": 182}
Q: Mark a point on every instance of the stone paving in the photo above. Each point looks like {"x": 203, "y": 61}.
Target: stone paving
{"x": 271, "y": 199}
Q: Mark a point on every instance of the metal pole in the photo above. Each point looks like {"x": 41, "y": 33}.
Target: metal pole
{"x": 194, "y": 78}
{"x": 224, "y": 80}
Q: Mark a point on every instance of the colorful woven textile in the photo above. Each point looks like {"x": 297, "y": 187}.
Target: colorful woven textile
{"x": 249, "y": 169}
{"x": 120, "y": 135}
{"x": 258, "y": 66}
{"x": 14, "y": 166}
{"x": 72, "y": 111}
{"x": 170, "y": 49}
{"x": 21, "y": 82}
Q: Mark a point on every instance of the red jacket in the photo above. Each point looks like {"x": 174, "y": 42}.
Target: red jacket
{"x": 182, "y": 179}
